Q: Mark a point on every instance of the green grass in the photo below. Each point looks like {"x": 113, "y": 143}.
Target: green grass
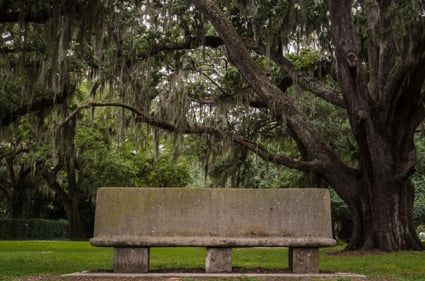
{"x": 25, "y": 258}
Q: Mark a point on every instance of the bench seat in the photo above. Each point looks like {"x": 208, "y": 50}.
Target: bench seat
{"x": 152, "y": 241}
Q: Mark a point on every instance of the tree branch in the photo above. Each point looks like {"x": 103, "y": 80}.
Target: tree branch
{"x": 8, "y": 117}
{"x": 356, "y": 97}
{"x": 37, "y": 17}
{"x": 278, "y": 103}
{"x": 259, "y": 149}
{"x": 192, "y": 43}
{"x": 304, "y": 80}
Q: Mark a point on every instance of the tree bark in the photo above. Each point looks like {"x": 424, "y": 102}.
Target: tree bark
{"x": 384, "y": 221}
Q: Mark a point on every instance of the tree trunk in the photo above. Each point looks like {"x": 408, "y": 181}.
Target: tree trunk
{"x": 379, "y": 198}
{"x": 18, "y": 202}
{"x": 384, "y": 108}
{"x": 382, "y": 208}
{"x": 74, "y": 218}
{"x": 384, "y": 221}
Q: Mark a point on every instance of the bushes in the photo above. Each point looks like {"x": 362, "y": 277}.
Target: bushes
{"x": 33, "y": 229}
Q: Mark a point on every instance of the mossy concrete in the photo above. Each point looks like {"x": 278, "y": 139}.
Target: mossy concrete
{"x": 212, "y": 217}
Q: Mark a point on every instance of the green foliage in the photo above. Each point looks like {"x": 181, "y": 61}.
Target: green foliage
{"x": 233, "y": 79}
{"x": 33, "y": 229}
{"x": 128, "y": 163}
{"x": 340, "y": 213}
{"x": 119, "y": 167}
{"x": 306, "y": 59}
{"x": 165, "y": 172}
{"x": 339, "y": 208}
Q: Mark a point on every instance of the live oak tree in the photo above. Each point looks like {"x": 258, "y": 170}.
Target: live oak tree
{"x": 153, "y": 59}
{"x": 382, "y": 85}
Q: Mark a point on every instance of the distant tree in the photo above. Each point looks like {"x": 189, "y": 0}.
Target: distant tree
{"x": 18, "y": 178}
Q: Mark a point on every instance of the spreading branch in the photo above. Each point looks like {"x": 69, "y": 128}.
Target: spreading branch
{"x": 304, "y": 80}
{"x": 8, "y": 117}
{"x": 259, "y": 149}
{"x": 278, "y": 103}
{"x": 191, "y": 43}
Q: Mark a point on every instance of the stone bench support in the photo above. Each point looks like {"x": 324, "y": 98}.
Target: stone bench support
{"x": 131, "y": 260}
{"x": 303, "y": 260}
{"x": 218, "y": 260}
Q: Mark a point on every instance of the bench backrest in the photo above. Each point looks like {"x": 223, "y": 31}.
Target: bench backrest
{"x": 212, "y": 217}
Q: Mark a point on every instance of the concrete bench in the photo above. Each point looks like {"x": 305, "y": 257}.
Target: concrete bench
{"x": 134, "y": 219}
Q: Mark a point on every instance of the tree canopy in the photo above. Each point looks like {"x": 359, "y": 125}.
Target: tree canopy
{"x": 333, "y": 89}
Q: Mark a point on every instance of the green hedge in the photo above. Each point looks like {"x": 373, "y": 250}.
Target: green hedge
{"x": 33, "y": 229}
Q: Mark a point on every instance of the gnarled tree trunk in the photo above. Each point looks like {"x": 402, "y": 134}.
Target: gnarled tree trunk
{"x": 384, "y": 108}
{"x": 382, "y": 211}
{"x": 384, "y": 220}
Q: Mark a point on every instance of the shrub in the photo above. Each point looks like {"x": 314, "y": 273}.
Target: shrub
{"x": 33, "y": 229}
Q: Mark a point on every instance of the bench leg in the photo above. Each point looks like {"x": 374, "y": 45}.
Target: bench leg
{"x": 304, "y": 260}
{"x": 131, "y": 260}
{"x": 218, "y": 260}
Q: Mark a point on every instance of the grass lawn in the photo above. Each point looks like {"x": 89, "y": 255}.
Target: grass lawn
{"x": 26, "y": 258}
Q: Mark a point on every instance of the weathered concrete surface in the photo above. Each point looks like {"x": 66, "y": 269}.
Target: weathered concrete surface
{"x": 212, "y": 217}
{"x": 218, "y": 260}
{"x": 131, "y": 260}
{"x": 222, "y": 276}
{"x": 303, "y": 260}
